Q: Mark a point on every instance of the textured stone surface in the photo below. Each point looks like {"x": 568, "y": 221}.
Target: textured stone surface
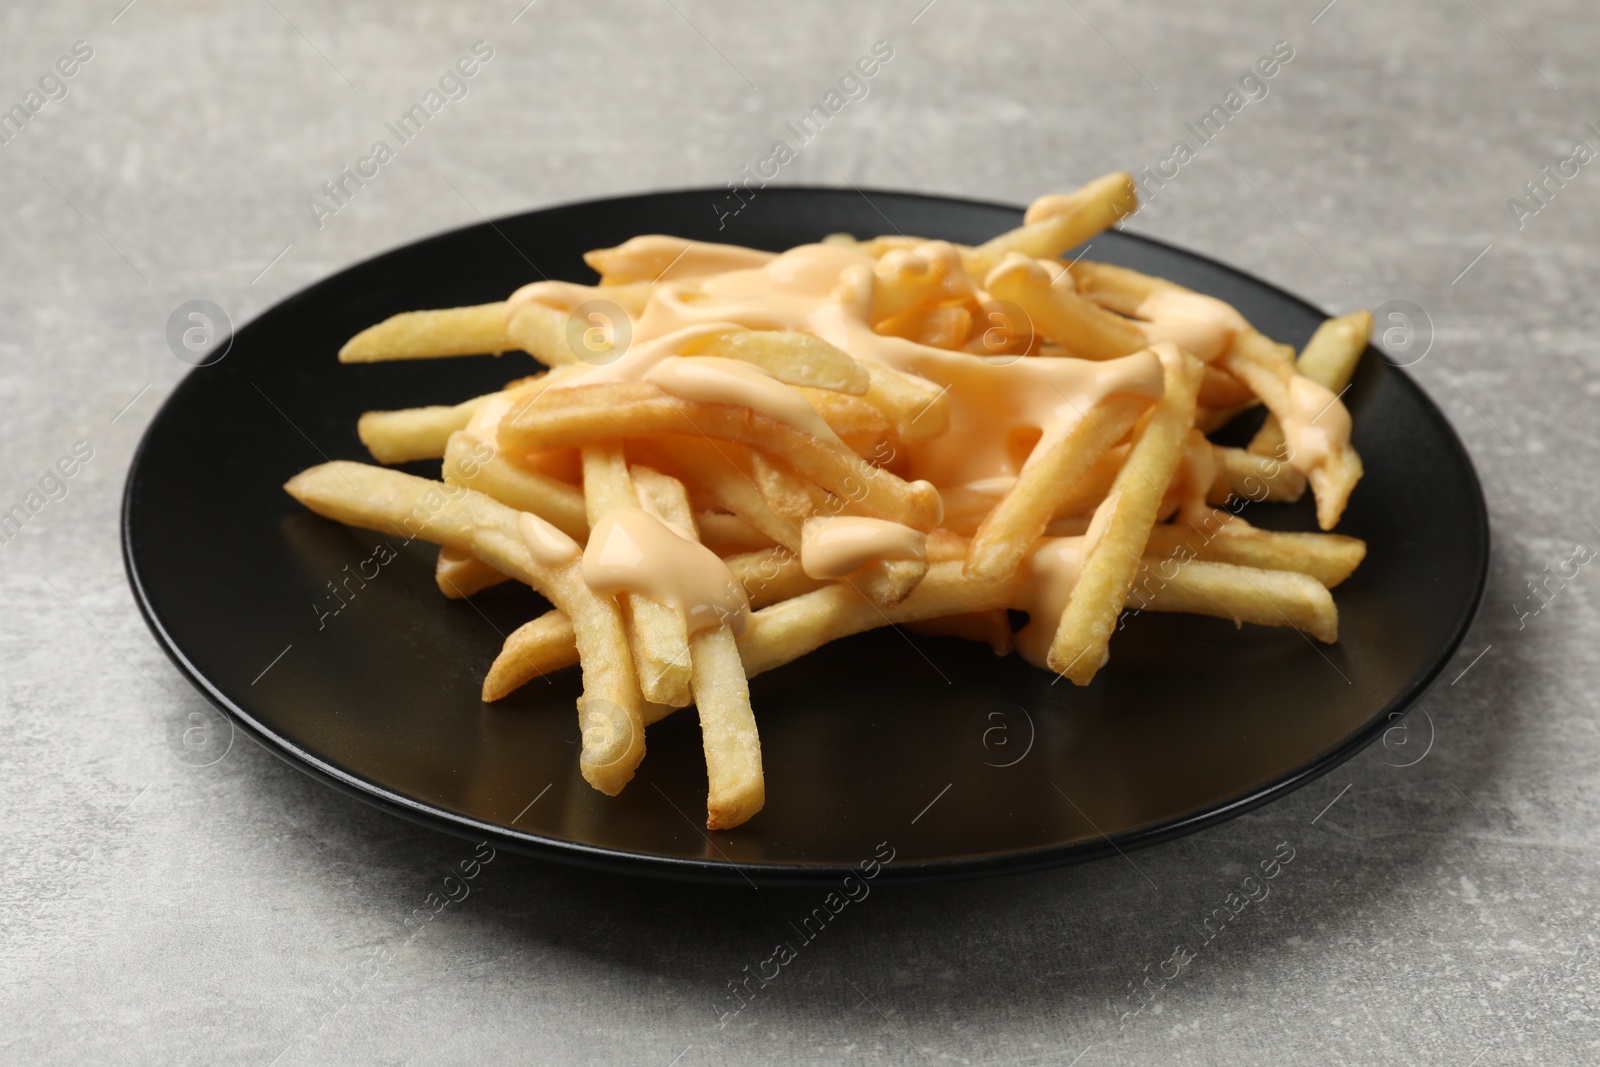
{"x": 1444, "y": 912}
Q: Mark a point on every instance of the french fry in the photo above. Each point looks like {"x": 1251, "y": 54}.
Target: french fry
{"x": 1060, "y": 314}
{"x": 548, "y": 644}
{"x": 653, "y": 258}
{"x": 1248, "y": 476}
{"x": 664, "y": 497}
{"x": 728, "y": 731}
{"x": 937, "y": 327}
{"x": 656, "y": 632}
{"x": 909, "y": 279}
{"x": 1333, "y": 476}
{"x": 887, "y": 582}
{"x": 919, "y": 410}
{"x": 390, "y": 501}
{"x": 1044, "y": 485}
{"x": 1266, "y": 367}
{"x": 460, "y": 574}
{"x": 788, "y": 630}
{"x": 533, "y": 650}
{"x": 1078, "y": 217}
{"x": 470, "y": 462}
{"x": 1112, "y": 557}
{"x": 465, "y": 331}
{"x": 586, "y": 414}
{"x": 727, "y": 534}
{"x": 1243, "y": 594}
{"x": 1329, "y": 359}
{"x": 718, "y": 473}
{"x": 785, "y": 492}
{"x": 541, "y": 331}
{"x": 800, "y": 359}
{"x": 721, "y": 692}
{"x": 1223, "y": 538}
{"x": 414, "y": 433}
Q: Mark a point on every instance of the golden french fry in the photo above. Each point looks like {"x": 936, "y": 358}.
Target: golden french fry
{"x": 654, "y": 258}
{"x": 1224, "y": 538}
{"x": 414, "y": 433}
{"x": 374, "y": 498}
{"x": 727, "y": 534}
{"x": 1334, "y": 475}
{"x": 1044, "y": 484}
{"x": 460, "y": 574}
{"x": 656, "y": 632}
{"x": 1072, "y": 219}
{"x": 919, "y": 410}
{"x": 887, "y": 582}
{"x": 474, "y": 464}
{"x": 785, "y": 492}
{"x": 1243, "y": 594}
{"x": 465, "y": 331}
{"x": 1268, "y": 369}
{"x": 1113, "y": 552}
{"x": 423, "y": 433}
{"x": 936, "y": 327}
{"x": 1329, "y": 359}
{"x": 1251, "y": 477}
{"x": 788, "y": 630}
{"x": 728, "y": 730}
{"x": 532, "y": 650}
{"x": 719, "y": 474}
{"x": 586, "y": 414}
{"x": 547, "y": 644}
{"x": 721, "y": 692}
{"x": 541, "y": 331}
{"x": 800, "y": 359}
{"x": 664, "y": 497}
{"x": 1060, "y": 314}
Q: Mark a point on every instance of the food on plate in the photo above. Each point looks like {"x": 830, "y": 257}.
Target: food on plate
{"x": 735, "y": 456}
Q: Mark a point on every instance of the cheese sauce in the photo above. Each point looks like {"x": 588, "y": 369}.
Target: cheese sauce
{"x": 632, "y": 551}
{"x": 831, "y": 546}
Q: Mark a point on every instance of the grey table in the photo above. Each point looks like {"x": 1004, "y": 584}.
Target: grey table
{"x": 1439, "y": 908}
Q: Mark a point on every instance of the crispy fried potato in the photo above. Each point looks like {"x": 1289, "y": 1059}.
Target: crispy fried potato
{"x": 1072, "y": 219}
{"x": 799, "y": 359}
{"x": 1223, "y": 538}
{"x": 414, "y": 433}
{"x": 460, "y": 574}
{"x": 1045, "y": 483}
{"x": 470, "y": 462}
{"x": 1060, "y": 314}
{"x": 656, "y": 632}
{"x": 1112, "y": 556}
{"x": 589, "y": 413}
{"x": 392, "y": 502}
{"x": 465, "y": 331}
{"x": 1329, "y": 359}
{"x": 1251, "y": 477}
{"x": 788, "y": 630}
{"x": 1243, "y": 594}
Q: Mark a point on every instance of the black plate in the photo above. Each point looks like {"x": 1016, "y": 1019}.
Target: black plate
{"x": 966, "y": 764}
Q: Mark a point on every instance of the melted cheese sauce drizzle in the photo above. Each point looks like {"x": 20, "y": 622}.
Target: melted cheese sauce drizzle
{"x": 1201, "y": 325}
{"x": 1318, "y": 423}
{"x": 545, "y": 543}
{"x": 832, "y": 546}
{"x": 632, "y": 551}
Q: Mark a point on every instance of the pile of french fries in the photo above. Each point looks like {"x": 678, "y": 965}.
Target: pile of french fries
{"x": 1120, "y": 503}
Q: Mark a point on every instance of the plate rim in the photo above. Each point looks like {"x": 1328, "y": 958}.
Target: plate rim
{"x": 724, "y": 871}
